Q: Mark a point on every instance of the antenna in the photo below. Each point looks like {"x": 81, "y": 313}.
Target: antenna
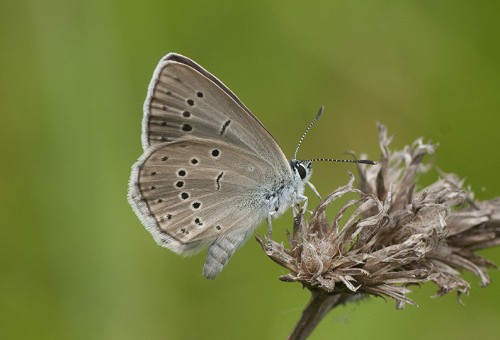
{"x": 358, "y": 161}
{"x": 307, "y": 130}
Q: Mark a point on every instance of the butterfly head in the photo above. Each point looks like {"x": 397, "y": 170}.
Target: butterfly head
{"x": 302, "y": 169}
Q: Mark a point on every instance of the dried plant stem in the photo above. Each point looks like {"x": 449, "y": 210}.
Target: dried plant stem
{"x": 317, "y": 308}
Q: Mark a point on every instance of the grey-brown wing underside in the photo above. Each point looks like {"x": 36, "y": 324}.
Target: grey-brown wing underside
{"x": 189, "y": 192}
{"x": 186, "y": 100}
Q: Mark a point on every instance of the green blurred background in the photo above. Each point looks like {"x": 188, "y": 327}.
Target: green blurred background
{"x": 76, "y": 262}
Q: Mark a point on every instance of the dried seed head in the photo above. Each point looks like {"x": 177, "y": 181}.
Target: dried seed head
{"x": 396, "y": 235}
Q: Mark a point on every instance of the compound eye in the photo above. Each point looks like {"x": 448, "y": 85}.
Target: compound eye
{"x": 302, "y": 171}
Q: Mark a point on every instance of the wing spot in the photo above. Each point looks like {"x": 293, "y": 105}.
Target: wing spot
{"x": 186, "y": 114}
{"x": 187, "y": 127}
{"x": 196, "y": 205}
{"x": 159, "y": 200}
{"x": 168, "y": 93}
{"x": 194, "y": 161}
{"x": 190, "y": 102}
{"x": 154, "y": 173}
{"x": 179, "y": 184}
{"x": 199, "y": 94}
{"x": 184, "y": 231}
{"x": 198, "y": 221}
{"x": 153, "y": 187}
{"x": 218, "y": 180}
{"x": 218, "y": 227}
{"x": 168, "y": 216}
{"x": 215, "y": 153}
{"x": 164, "y": 158}
{"x": 224, "y": 127}
{"x": 163, "y": 138}
{"x": 164, "y": 108}
{"x": 184, "y": 195}
{"x": 181, "y": 173}
{"x": 164, "y": 123}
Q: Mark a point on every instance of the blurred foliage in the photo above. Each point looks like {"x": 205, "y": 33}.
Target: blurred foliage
{"x": 75, "y": 261}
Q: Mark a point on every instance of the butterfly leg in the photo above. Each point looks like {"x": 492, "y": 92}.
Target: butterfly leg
{"x": 314, "y": 189}
{"x": 222, "y": 249}
{"x": 269, "y": 225}
{"x": 297, "y": 199}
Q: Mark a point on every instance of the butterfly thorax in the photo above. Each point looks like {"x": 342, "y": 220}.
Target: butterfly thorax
{"x": 289, "y": 192}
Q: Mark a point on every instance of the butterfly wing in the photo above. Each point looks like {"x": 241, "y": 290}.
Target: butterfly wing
{"x": 189, "y": 193}
{"x": 186, "y": 100}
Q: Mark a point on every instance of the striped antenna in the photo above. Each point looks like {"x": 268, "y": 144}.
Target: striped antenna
{"x": 359, "y": 161}
{"x": 307, "y": 130}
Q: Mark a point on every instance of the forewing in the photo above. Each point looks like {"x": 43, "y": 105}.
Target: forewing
{"x": 186, "y": 100}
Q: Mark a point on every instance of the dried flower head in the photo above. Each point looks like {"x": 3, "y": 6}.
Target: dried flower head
{"x": 395, "y": 235}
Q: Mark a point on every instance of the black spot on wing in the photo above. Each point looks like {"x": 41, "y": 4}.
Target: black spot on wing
{"x": 224, "y": 127}
{"x": 218, "y": 180}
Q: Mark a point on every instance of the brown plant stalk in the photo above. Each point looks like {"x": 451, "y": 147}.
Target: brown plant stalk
{"x": 388, "y": 237}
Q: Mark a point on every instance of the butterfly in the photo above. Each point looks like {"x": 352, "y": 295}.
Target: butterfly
{"x": 210, "y": 172}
